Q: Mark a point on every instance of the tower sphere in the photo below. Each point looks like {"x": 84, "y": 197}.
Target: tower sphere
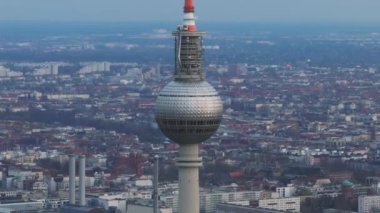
{"x": 188, "y": 112}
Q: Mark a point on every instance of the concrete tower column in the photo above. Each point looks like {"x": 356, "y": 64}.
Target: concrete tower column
{"x": 155, "y": 185}
{"x": 188, "y": 164}
{"x": 72, "y": 180}
{"x": 82, "y": 183}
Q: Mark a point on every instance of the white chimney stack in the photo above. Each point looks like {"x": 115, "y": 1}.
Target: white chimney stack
{"x": 72, "y": 180}
{"x": 82, "y": 183}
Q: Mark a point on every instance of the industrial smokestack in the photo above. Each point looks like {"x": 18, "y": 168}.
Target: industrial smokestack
{"x": 4, "y": 177}
{"x": 82, "y": 184}
{"x": 72, "y": 180}
{"x": 155, "y": 183}
{"x": 58, "y": 180}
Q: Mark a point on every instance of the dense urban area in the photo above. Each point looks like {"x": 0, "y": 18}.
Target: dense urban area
{"x": 300, "y": 129}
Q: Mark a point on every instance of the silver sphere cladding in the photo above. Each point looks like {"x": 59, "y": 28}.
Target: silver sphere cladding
{"x": 188, "y": 112}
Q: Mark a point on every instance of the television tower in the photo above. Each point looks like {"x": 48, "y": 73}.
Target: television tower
{"x": 188, "y": 109}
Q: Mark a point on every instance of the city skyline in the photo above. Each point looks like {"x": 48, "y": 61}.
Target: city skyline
{"x": 265, "y": 106}
{"x": 290, "y": 11}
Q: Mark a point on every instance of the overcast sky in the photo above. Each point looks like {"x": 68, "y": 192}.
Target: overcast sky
{"x": 326, "y": 11}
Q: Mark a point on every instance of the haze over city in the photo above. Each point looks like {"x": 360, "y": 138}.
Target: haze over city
{"x": 239, "y": 106}
{"x": 279, "y": 11}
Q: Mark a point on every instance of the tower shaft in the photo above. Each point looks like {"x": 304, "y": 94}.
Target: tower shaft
{"x": 188, "y": 163}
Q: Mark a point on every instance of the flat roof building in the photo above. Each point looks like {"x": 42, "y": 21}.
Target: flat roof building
{"x": 283, "y": 204}
{"x": 367, "y": 204}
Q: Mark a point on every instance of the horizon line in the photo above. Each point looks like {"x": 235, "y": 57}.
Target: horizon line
{"x": 201, "y": 22}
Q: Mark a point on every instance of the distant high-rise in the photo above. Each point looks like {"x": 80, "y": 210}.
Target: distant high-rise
{"x": 188, "y": 109}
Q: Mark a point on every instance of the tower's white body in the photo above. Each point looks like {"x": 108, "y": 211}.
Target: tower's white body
{"x": 188, "y": 109}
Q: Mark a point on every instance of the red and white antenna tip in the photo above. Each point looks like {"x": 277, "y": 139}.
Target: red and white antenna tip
{"x": 189, "y": 18}
{"x": 189, "y": 6}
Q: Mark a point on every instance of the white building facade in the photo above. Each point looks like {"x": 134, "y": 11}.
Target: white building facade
{"x": 283, "y": 204}
{"x": 209, "y": 200}
{"x": 368, "y": 203}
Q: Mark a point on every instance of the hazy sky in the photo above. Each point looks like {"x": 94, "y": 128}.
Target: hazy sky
{"x": 207, "y": 10}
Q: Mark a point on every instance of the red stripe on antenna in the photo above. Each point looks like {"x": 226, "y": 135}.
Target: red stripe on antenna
{"x": 191, "y": 28}
{"x": 189, "y": 6}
